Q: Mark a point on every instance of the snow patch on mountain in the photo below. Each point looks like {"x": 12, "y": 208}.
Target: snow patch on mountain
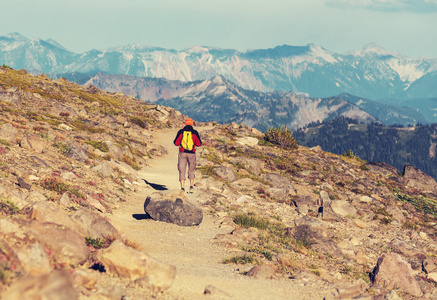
{"x": 408, "y": 71}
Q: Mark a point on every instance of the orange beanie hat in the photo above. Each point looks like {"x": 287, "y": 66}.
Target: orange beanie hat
{"x": 189, "y": 122}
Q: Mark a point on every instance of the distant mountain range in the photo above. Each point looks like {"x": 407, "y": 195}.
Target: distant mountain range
{"x": 371, "y": 72}
{"x": 218, "y": 99}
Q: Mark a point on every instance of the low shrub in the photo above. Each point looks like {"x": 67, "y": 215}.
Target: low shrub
{"x": 248, "y": 221}
{"x": 281, "y": 136}
{"x": 102, "y": 146}
{"x": 8, "y": 208}
{"x": 240, "y": 259}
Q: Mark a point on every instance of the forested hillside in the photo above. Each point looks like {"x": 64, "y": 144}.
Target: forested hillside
{"x": 396, "y": 146}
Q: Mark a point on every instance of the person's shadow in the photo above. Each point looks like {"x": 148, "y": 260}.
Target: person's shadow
{"x": 155, "y": 186}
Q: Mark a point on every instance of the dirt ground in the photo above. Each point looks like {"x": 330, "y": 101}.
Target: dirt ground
{"x": 190, "y": 249}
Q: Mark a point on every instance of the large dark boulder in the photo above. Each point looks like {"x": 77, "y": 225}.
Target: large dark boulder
{"x": 177, "y": 211}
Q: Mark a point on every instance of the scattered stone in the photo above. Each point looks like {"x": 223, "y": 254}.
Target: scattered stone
{"x": 396, "y": 213}
{"x": 34, "y": 259}
{"x": 225, "y": 173}
{"x": 215, "y": 292}
{"x": 104, "y": 168}
{"x": 127, "y": 262}
{"x": 393, "y": 272}
{"x": 180, "y": 212}
{"x": 85, "y": 278}
{"x": 76, "y": 152}
{"x": 413, "y": 255}
{"x": 32, "y": 142}
{"x": 65, "y": 200}
{"x": 23, "y": 184}
{"x": 343, "y": 208}
{"x": 262, "y": 272}
{"x": 252, "y": 164}
{"x": 49, "y": 286}
{"x": 349, "y": 290}
{"x": 65, "y": 242}
{"x": 94, "y": 225}
{"x": 419, "y": 180}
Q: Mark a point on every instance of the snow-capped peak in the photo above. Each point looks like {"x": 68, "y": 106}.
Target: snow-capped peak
{"x": 197, "y": 49}
{"x": 16, "y": 36}
{"x": 373, "y": 49}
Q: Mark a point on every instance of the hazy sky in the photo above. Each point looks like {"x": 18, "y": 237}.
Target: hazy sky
{"x": 406, "y": 26}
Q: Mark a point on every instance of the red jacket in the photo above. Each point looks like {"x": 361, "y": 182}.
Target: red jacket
{"x": 196, "y": 139}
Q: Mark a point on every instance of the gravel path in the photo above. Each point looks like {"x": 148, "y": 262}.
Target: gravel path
{"x": 190, "y": 249}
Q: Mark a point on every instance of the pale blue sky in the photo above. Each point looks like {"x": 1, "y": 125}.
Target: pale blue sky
{"x": 406, "y": 26}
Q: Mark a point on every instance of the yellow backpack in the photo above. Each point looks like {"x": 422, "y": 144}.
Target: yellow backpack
{"x": 187, "y": 141}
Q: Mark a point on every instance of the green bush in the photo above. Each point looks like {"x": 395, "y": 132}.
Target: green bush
{"x": 95, "y": 243}
{"x": 138, "y": 122}
{"x": 102, "y": 146}
{"x": 281, "y": 136}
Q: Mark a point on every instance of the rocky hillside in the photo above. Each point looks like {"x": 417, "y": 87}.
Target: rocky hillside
{"x": 70, "y": 156}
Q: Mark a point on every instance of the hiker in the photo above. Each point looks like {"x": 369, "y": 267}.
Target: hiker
{"x": 187, "y": 139}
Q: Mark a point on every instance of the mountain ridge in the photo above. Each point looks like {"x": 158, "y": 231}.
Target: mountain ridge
{"x": 307, "y": 69}
{"x": 213, "y": 100}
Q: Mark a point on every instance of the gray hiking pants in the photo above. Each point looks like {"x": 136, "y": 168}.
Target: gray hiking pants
{"x": 183, "y": 160}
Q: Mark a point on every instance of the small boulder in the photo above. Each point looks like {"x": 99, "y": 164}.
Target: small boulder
{"x": 77, "y": 153}
{"x": 252, "y": 164}
{"x": 93, "y": 225}
{"x": 127, "y": 262}
{"x": 178, "y": 211}
{"x": 262, "y": 272}
{"x": 32, "y": 142}
{"x": 419, "y": 180}
{"x": 43, "y": 212}
{"x": 343, "y": 208}
{"x": 393, "y": 272}
{"x": 63, "y": 241}
{"x": 104, "y": 168}
{"x": 413, "y": 255}
{"x": 225, "y": 173}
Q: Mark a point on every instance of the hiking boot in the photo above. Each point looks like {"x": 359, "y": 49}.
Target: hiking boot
{"x": 182, "y": 190}
{"x": 191, "y": 190}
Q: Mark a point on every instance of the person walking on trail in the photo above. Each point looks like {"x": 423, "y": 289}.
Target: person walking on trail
{"x": 187, "y": 139}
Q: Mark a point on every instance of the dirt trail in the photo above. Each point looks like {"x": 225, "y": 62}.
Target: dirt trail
{"x": 190, "y": 249}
